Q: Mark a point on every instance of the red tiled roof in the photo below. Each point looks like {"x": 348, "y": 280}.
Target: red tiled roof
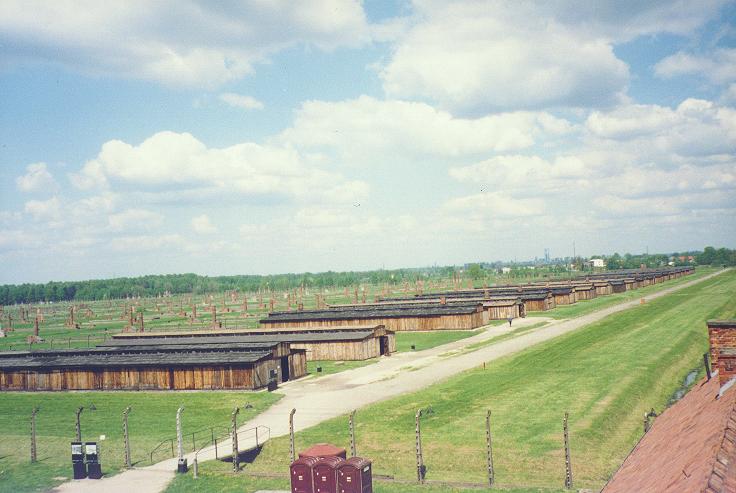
{"x": 691, "y": 447}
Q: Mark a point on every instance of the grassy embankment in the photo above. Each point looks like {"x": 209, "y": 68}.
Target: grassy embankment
{"x": 606, "y": 375}
{"x": 152, "y": 420}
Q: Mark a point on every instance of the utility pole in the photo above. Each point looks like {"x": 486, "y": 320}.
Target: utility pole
{"x": 353, "y": 452}
{"x": 126, "y": 440}
{"x": 236, "y": 458}
{"x": 33, "y": 434}
{"x": 291, "y": 435}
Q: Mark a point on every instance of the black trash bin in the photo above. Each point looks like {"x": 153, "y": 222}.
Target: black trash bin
{"x": 92, "y": 457}
{"x": 80, "y": 471}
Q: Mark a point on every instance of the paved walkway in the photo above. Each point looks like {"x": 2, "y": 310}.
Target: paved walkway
{"x": 319, "y": 399}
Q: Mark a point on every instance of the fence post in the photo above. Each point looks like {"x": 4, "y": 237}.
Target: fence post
{"x": 126, "y": 440}
{"x": 568, "y": 465}
{"x": 236, "y": 458}
{"x": 33, "y": 434}
{"x": 353, "y": 451}
{"x": 489, "y": 450}
{"x": 291, "y": 435}
{"x": 78, "y": 426}
{"x": 179, "y": 439}
{"x": 418, "y": 438}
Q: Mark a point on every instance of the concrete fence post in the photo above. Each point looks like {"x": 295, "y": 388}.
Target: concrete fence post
{"x": 420, "y": 459}
{"x": 353, "y": 451}
{"x": 126, "y": 438}
{"x": 34, "y": 455}
{"x": 292, "y": 452}
{"x": 568, "y": 464}
{"x": 489, "y": 450}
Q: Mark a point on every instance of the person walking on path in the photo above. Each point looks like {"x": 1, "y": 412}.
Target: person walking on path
{"x": 510, "y": 319}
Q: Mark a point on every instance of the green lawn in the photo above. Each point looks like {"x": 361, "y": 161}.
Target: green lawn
{"x": 428, "y": 340}
{"x": 508, "y": 335}
{"x": 606, "y": 375}
{"x": 330, "y": 367}
{"x": 152, "y": 419}
{"x": 218, "y": 476}
{"x": 587, "y": 306}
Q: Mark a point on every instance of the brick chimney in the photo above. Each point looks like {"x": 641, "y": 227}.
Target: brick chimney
{"x": 722, "y": 338}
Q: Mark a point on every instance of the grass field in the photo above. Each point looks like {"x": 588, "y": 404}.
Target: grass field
{"x": 152, "y": 419}
{"x": 428, "y": 340}
{"x": 330, "y": 367}
{"x": 606, "y": 375}
{"x": 98, "y": 320}
{"x": 587, "y": 306}
{"x": 218, "y": 476}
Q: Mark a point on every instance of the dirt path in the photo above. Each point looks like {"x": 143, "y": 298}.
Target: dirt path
{"x": 319, "y": 399}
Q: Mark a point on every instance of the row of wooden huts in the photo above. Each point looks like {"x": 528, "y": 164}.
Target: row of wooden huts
{"x": 471, "y": 308}
{"x": 278, "y": 352}
{"x": 197, "y": 360}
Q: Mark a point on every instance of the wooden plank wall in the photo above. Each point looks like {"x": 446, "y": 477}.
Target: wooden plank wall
{"x": 504, "y": 312}
{"x": 340, "y": 350}
{"x": 193, "y": 378}
{"x": 440, "y": 322}
{"x": 297, "y": 364}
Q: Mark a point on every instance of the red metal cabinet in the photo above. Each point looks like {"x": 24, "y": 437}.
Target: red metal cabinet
{"x": 301, "y": 475}
{"x": 355, "y": 476}
{"x": 324, "y": 474}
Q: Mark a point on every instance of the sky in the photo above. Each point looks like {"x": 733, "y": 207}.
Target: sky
{"x": 257, "y": 137}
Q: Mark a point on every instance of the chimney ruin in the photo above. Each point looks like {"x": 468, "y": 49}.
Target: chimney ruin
{"x": 722, "y": 338}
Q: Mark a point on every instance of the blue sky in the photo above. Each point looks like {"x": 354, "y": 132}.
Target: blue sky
{"x": 257, "y": 137}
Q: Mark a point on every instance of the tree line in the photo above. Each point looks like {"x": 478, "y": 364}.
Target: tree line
{"x": 153, "y": 285}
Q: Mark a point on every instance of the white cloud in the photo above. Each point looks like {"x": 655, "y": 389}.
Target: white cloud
{"x": 685, "y": 204}
{"x": 44, "y": 210}
{"x": 695, "y": 128}
{"x": 135, "y": 220}
{"x": 36, "y": 179}
{"x": 718, "y": 66}
{"x": 475, "y": 57}
{"x": 496, "y": 205}
{"x": 365, "y": 129}
{"x": 520, "y": 171}
{"x": 180, "y": 162}
{"x": 148, "y": 243}
{"x": 203, "y": 225}
{"x": 177, "y": 42}
{"x": 729, "y": 95}
{"x": 241, "y": 101}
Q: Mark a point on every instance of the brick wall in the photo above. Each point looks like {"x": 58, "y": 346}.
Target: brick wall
{"x": 721, "y": 335}
{"x": 726, "y": 368}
